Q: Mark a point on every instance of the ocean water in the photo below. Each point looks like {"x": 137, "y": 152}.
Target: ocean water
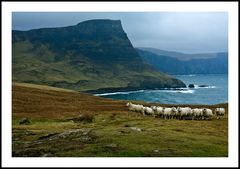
{"x": 215, "y": 92}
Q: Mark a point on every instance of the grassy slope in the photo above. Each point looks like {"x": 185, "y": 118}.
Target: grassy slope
{"x": 110, "y": 134}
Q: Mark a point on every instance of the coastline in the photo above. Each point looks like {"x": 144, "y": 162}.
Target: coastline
{"x": 128, "y": 89}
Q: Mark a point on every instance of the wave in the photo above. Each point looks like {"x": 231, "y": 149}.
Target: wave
{"x": 187, "y": 91}
{"x": 205, "y": 87}
{"x": 115, "y": 93}
{"x": 186, "y": 75}
{"x": 178, "y": 91}
{"x": 166, "y": 90}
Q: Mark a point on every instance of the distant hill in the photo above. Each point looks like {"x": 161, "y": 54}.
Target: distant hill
{"x": 181, "y": 56}
{"x": 214, "y": 63}
{"x": 94, "y": 55}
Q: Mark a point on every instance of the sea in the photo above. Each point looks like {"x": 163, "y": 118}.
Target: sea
{"x": 208, "y": 89}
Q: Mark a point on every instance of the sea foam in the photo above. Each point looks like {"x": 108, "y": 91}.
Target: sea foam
{"x": 115, "y": 93}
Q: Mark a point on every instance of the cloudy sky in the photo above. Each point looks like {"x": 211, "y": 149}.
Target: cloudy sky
{"x": 188, "y": 32}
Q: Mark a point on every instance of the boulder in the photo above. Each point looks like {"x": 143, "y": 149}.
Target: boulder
{"x": 25, "y": 121}
{"x": 191, "y": 86}
{"x": 136, "y": 129}
{"x": 203, "y": 86}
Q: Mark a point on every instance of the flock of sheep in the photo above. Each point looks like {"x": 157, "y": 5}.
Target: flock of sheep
{"x": 177, "y": 113}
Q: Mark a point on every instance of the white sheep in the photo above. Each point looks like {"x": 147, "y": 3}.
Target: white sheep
{"x": 168, "y": 112}
{"x": 138, "y": 108}
{"x": 184, "y": 112}
{"x": 197, "y": 113}
{"x": 153, "y": 107}
{"x": 158, "y": 110}
{"x": 219, "y": 112}
{"x": 190, "y": 113}
{"x": 130, "y": 106}
{"x": 207, "y": 113}
{"x": 135, "y": 107}
{"x": 178, "y": 113}
{"x": 149, "y": 111}
{"x": 173, "y": 112}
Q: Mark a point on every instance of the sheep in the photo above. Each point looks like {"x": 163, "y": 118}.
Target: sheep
{"x": 173, "y": 112}
{"x": 184, "y": 112}
{"x": 135, "y": 107}
{"x": 158, "y": 110}
{"x": 197, "y": 113}
{"x": 207, "y": 113}
{"x": 178, "y": 113}
{"x": 138, "y": 108}
{"x": 153, "y": 107}
{"x": 149, "y": 111}
{"x": 168, "y": 112}
{"x": 219, "y": 112}
{"x": 190, "y": 113}
{"x": 162, "y": 112}
{"x": 130, "y": 106}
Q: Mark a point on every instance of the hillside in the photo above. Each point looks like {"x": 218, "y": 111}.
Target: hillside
{"x": 94, "y": 55}
{"x": 178, "y": 63}
{"x": 67, "y": 123}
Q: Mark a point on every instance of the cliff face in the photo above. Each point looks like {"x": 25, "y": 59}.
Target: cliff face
{"x": 91, "y": 55}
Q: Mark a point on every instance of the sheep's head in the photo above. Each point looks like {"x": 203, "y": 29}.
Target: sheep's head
{"x": 216, "y": 111}
{"x": 153, "y": 107}
{"x": 174, "y": 109}
{"x": 179, "y": 109}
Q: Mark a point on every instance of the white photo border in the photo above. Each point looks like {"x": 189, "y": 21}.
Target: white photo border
{"x": 9, "y": 7}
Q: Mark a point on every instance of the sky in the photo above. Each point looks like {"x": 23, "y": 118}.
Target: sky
{"x": 186, "y": 32}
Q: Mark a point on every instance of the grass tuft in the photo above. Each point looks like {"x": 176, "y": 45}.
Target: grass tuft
{"x": 85, "y": 117}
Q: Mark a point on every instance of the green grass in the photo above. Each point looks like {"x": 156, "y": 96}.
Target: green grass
{"x": 158, "y": 138}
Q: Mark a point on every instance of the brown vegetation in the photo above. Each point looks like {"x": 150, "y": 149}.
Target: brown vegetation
{"x": 34, "y": 102}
